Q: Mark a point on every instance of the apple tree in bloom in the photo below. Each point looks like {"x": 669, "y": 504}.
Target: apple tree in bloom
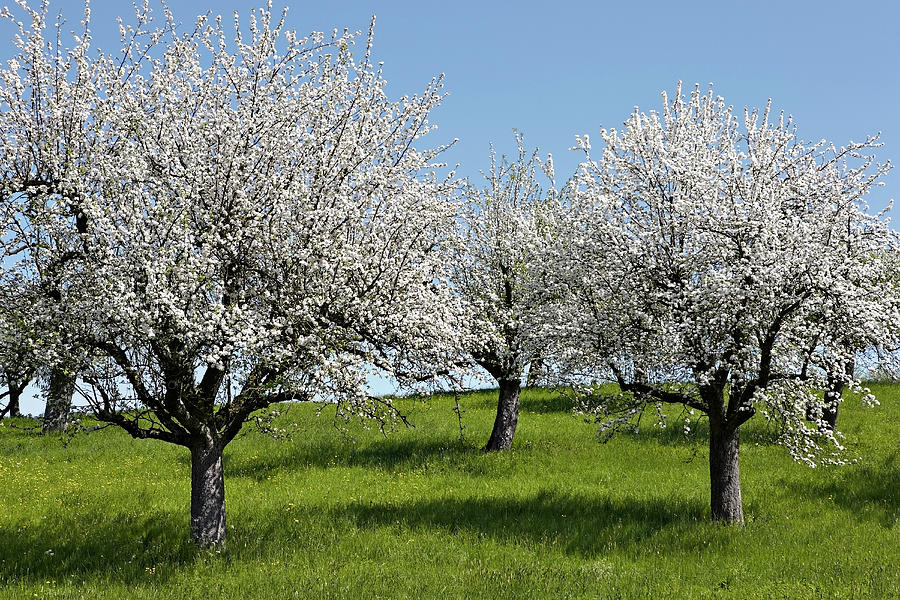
{"x": 733, "y": 262}
{"x": 44, "y": 133}
{"x": 224, "y": 219}
{"x": 18, "y": 366}
{"x": 502, "y": 231}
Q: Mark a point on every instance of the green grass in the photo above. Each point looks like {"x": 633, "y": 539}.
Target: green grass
{"x": 419, "y": 514}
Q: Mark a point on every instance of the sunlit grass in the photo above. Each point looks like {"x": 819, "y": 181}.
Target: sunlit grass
{"x": 421, "y": 514}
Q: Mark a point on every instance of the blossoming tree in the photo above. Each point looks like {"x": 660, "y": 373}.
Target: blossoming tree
{"x": 17, "y": 365}
{"x": 225, "y": 220}
{"x": 503, "y": 229}
{"x": 731, "y": 260}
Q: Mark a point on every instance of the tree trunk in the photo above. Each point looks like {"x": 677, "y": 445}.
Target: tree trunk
{"x": 14, "y": 389}
{"x": 724, "y": 475}
{"x": 507, "y": 415}
{"x": 833, "y": 392}
{"x": 640, "y": 373}
{"x": 534, "y": 372}
{"x": 207, "y": 494}
{"x": 13, "y": 408}
{"x": 59, "y": 401}
{"x": 834, "y": 389}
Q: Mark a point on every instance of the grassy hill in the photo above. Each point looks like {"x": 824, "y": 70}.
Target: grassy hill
{"x": 421, "y": 514}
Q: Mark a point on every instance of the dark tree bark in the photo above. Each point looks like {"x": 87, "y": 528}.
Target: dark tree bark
{"x": 640, "y": 374}
{"x": 13, "y": 408}
{"x": 14, "y": 391}
{"x": 507, "y": 415}
{"x": 724, "y": 474}
{"x": 59, "y": 401}
{"x": 207, "y": 493}
{"x": 535, "y": 370}
{"x": 834, "y": 390}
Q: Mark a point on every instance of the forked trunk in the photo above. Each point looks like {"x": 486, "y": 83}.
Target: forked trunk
{"x": 724, "y": 475}
{"x": 207, "y": 494}
{"x": 14, "y": 393}
{"x": 59, "y": 401}
{"x": 507, "y": 416}
{"x": 13, "y": 409}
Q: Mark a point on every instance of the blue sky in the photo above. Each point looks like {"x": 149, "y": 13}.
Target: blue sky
{"x": 556, "y": 69}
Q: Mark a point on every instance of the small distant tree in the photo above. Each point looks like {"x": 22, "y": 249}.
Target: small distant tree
{"x": 223, "y": 221}
{"x": 502, "y": 230}
{"x": 19, "y": 346}
{"x": 837, "y": 376}
{"x": 16, "y": 370}
{"x": 726, "y": 261}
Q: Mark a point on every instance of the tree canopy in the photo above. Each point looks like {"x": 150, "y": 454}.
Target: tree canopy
{"x": 722, "y": 252}
{"x": 222, "y": 220}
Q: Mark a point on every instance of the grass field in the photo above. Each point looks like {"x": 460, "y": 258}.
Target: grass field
{"x": 419, "y": 514}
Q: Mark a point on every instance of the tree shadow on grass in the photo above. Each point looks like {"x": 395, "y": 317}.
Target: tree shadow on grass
{"x": 869, "y": 492}
{"x": 389, "y": 454}
{"x": 153, "y": 547}
{"x": 580, "y": 525}
{"x": 538, "y": 400}
{"x": 673, "y": 433}
{"x": 126, "y": 548}
{"x": 545, "y": 401}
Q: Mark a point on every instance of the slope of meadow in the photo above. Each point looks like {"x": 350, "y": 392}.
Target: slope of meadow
{"x": 421, "y": 514}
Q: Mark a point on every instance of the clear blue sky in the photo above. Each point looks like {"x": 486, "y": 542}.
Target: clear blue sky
{"x": 557, "y": 69}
